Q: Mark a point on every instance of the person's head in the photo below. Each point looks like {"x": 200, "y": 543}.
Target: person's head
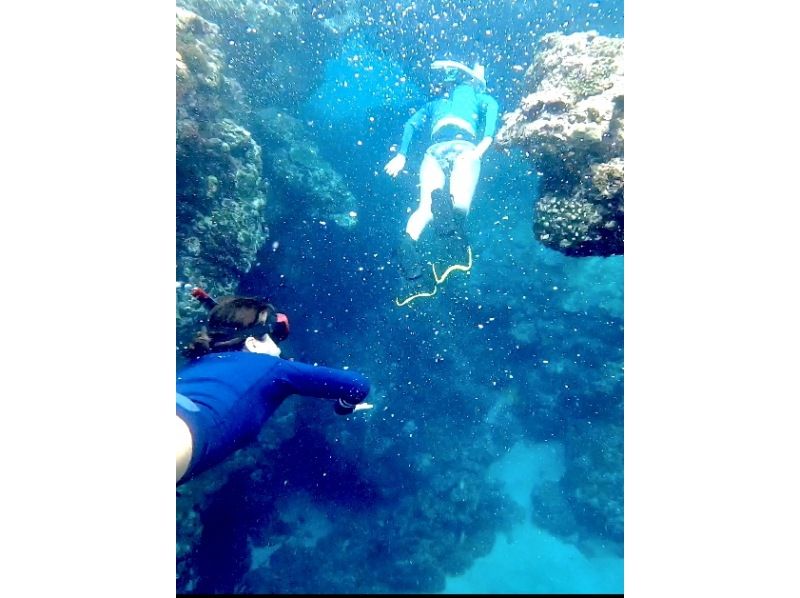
{"x": 448, "y": 74}
{"x": 241, "y": 324}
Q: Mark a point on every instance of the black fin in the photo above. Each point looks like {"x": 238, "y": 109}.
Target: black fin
{"x": 409, "y": 258}
{"x": 443, "y": 213}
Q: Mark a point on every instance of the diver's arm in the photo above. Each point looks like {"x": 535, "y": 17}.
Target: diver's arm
{"x": 413, "y": 123}
{"x": 396, "y": 164}
{"x": 490, "y": 125}
{"x": 408, "y": 134}
{"x": 348, "y": 387}
{"x": 481, "y": 148}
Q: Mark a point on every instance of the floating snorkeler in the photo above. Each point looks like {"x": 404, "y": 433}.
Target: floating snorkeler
{"x": 455, "y": 153}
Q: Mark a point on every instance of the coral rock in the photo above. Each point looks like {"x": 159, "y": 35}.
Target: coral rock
{"x": 572, "y": 126}
{"x": 219, "y": 191}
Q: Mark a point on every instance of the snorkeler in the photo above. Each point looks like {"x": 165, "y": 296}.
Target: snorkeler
{"x": 237, "y": 380}
{"x": 455, "y": 152}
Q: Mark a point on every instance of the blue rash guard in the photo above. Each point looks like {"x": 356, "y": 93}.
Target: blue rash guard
{"x": 465, "y": 104}
{"x": 225, "y": 398}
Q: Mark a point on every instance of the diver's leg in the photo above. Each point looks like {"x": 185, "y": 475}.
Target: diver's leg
{"x": 463, "y": 181}
{"x": 431, "y": 177}
{"x": 442, "y": 208}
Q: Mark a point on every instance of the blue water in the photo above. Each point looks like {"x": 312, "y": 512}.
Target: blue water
{"x": 497, "y": 402}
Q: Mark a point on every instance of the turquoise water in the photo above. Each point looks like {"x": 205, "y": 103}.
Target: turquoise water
{"x": 493, "y": 460}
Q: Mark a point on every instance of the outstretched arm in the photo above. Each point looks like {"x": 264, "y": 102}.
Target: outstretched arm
{"x": 349, "y": 388}
{"x": 224, "y": 414}
{"x": 490, "y": 124}
{"x": 396, "y": 164}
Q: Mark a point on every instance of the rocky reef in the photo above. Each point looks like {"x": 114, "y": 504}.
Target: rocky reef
{"x": 341, "y": 523}
{"x": 562, "y": 324}
{"x": 220, "y": 196}
{"x": 276, "y": 49}
{"x": 298, "y": 170}
{"x": 199, "y": 504}
{"x": 571, "y": 127}
{"x": 587, "y": 503}
{"x": 409, "y": 545}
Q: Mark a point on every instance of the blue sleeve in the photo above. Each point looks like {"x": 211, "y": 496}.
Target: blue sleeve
{"x": 225, "y": 399}
{"x": 491, "y": 110}
{"x": 325, "y": 383}
{"x": 417, "y": 119}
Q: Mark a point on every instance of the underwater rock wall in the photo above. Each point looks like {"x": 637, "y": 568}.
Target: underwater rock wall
{"x": 277, "y": 49}
{"x": 398, "y": 535}
{"x": 571, "y": 126}
{"x": 588, "y": 502}
{"x": 562, "y": 322}
{"x": 221, "y": 225}
{"x": 220, "y": 195}
{"x": 393, "y": 517}
{"x": 294, "y": 165}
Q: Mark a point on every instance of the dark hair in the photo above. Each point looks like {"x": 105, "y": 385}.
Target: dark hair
{"x": 226, "y": 323}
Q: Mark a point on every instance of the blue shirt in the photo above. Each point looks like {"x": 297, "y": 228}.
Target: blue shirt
{"x": 465, "y": 103}
{"x": 230, "y": 396}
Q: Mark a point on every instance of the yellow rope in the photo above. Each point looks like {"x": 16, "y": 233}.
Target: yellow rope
{"x": 438, "y": 280}
{"x": 453, "y": 267}
{"x": 417, "y": 296}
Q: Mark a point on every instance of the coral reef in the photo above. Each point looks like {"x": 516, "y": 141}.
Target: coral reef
{"x": 562, "y": 323}
{"x": 220, "y": 196}
{"x": 588, "y": 501}
{"x": 201, "y": 502}
{"x": 276, "y": 49}
{"x": 296, "y": 168}
{"x": 398, "y": 527}
{"x": 384, "y": 547}
{"x": 571, "y": 126}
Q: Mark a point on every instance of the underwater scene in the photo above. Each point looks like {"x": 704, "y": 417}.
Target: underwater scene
{"x": 432, "y": 192}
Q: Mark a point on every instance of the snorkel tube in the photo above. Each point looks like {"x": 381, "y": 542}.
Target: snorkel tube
{"x": 204, "y": 298}
{"x": 477, "y": 73}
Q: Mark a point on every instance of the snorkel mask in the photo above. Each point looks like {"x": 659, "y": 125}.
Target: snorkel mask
{"x": 276, "y": 326}
{"x": 456, "y": 72}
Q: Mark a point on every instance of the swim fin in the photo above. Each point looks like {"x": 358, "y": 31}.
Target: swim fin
{"x": 447, "y": 221}
{"x": 409, "y": 258}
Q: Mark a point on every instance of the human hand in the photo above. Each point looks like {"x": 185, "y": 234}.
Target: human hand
{"x": 395, "y": 165}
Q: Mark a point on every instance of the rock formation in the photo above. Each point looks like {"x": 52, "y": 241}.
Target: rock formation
{"x": 571, "y": 127}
